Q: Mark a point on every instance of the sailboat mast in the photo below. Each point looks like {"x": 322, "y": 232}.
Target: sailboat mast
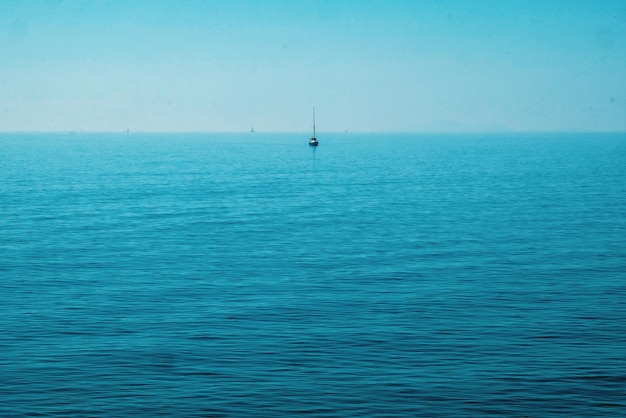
{"x": 313, "y": 140}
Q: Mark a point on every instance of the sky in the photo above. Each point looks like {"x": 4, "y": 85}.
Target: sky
{"x": 366, "y": 66}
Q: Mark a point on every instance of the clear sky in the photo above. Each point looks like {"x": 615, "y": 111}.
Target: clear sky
{"x": 388, "y": 65}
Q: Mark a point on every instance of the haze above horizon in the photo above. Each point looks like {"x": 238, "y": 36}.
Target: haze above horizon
{"x": 367, "y": 66}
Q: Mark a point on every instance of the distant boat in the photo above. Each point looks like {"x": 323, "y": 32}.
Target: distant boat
{"x": 313, "y": 140}
{"x": 252, "y": 130}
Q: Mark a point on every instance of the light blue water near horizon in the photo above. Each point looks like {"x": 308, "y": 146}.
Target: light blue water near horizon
{"x": 253, "y": 275}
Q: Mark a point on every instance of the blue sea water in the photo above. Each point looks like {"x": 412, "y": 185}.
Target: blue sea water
{"x": 252, "y": 275}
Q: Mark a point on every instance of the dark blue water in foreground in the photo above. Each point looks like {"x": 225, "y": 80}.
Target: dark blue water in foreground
{"x": 252, "y": 275}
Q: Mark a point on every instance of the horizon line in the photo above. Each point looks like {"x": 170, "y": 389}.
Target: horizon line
{"x": 415, "y": 132}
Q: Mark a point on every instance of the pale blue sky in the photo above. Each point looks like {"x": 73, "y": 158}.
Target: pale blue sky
{"x": 203, "y": 65}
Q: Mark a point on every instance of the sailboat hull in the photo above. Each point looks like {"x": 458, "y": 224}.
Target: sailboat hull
{"x": 313, "y": 142}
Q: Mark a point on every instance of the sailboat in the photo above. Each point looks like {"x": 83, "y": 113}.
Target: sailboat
{"x": 313, "y": 140}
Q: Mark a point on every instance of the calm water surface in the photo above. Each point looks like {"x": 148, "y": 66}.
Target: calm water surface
{"x": 252, "y": 275}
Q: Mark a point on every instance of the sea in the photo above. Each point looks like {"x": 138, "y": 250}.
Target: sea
{"x": 250, "y": 275}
